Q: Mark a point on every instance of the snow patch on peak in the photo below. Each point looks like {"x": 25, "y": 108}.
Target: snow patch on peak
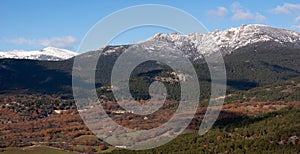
{"x": 48, "y": 53}
{"x": 62, "y": 53}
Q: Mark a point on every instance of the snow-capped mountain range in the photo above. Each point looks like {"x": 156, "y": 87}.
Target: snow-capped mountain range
{"x": 196, "y": 45}
{"x": 193, "y": 45}
{"x": 49, "y": 54}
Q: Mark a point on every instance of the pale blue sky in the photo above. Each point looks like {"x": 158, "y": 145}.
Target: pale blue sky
{"x": 34, "y": 24}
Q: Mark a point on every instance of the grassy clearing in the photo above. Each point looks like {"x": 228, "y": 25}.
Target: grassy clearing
{"x": 87, "y": 137}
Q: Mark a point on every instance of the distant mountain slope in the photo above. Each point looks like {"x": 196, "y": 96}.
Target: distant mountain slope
{"x": 30, "y": 76}
{"x": 263, "y": 63}
{"x": 49, "y": 54}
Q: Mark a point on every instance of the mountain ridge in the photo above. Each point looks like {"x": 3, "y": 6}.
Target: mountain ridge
{"x": 231, "y": 39}
{"x": 195, "y": 46}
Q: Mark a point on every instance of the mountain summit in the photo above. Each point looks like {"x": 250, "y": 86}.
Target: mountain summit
{"x": 48, "y": 54}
